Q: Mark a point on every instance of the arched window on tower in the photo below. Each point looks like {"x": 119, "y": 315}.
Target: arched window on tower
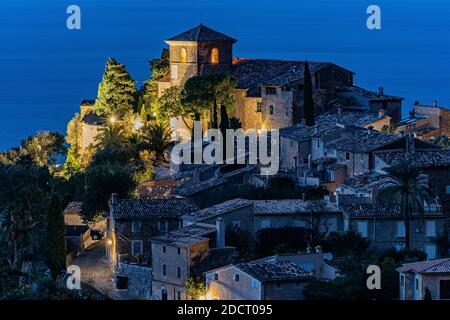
{"x": 183, "y": 55}
{"x": 215, "y": 55}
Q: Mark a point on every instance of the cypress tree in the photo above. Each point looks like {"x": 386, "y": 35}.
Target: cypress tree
{"x": 117, "y": 92}
{"x": 223, "y": 126}
{"x": 55, "y": 242}
{"x": 308, "y": 102}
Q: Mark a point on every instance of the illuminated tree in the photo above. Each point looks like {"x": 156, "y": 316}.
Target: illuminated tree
{"x": 116, "y": 92}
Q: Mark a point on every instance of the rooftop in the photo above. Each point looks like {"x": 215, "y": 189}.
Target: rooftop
{"x": 431, "y": 158}
{"x": 430, "y": 266}
{"x": 267, "y": 271}
{"x": 250, "y": 73}
{"x": 187, "y": 236}
{"x": 292, "y": 206}
{"x": 93, "y": 119}
{"x": 150, "y": 208}
{"x": 369, "y": 210}
{"x": 369, "y": 95}
{"x": 365, "y": 182}
{"x": 219, "y": 209}
{"x": 201, "y": 33}
{"x": 364, "y": 141}
{"x": 327, "y": 123}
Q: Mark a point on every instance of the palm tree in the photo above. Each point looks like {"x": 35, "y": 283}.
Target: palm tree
{"x": 406, "y": 187}
{"x": 157, "y": 138}
{"x": 110, "y": 136}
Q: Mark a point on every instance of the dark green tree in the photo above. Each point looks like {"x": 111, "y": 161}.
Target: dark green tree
{"x": 116, "y": 92}
{"x": 55, "y": 242}
{"x": 156, "y": 137}
{"x": 407, "y": 188}
{"x": 44, "y": 147}
{"x": 308, "y": 101}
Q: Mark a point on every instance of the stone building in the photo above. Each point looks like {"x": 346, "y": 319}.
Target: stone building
{"x": 131, "y": 223}
{"x": 187, "y": 253}
{"x": 271, "y": 278}
{"x": 435, "y": 163}
{"x": 258, "y": 280}
{"x": 268, "y": 91}
{"x": 426, "y": 122}
{"x": 385, "y": 228}
{"x": 417, "y": 278}
{"x": 254, "y": 215}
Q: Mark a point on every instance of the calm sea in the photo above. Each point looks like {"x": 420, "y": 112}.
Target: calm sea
{"x": 46, "y": 69}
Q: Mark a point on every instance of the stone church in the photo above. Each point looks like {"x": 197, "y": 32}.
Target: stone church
{"x": 268, "y": 90}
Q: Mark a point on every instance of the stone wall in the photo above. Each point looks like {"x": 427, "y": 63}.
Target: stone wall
{"x": 383, "y": 232}
{"x": 139, "y": 280}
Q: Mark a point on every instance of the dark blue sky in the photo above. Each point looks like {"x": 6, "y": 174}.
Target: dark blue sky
{"x": 46, "y": 69}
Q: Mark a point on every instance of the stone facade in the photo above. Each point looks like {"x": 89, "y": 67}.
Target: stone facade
{"x": 385, "y": 233}
{"x": 139, "y": 280}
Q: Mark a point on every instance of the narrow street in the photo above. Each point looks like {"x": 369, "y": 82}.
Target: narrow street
{"x": 96, "y": 272}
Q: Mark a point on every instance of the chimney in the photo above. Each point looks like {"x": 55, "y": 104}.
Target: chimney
{"x": 435, "y": 103}
{"x": 196, "y": 175}
{"x": 410, "y": 143}
{"x": 220, "y": 233}
{"x": 381, "y": 91}
{"x": 339, "y": 110}
{"x": 381, "y": 113}
{"x": 114, "y": 198}
{"x": 318, "y": 249}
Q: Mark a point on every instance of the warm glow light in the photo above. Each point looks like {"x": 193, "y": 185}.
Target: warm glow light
{"x": 201, "y": 298}
{"x": 154, "y": 114}
{"x": 112, "y": 119}
{"x": 138, "y": 125}
{"x": 109, "y": 242}
{"x": 209, "y": 297}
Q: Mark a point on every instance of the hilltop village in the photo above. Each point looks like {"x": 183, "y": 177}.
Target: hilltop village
{"x": 358, "y": 183}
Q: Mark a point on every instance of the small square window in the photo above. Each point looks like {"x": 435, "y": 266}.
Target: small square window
{"x": 164, "y": 270}
{"x": 271, "y": 91}
{"x": 216, "y": 276}
{"x": 136, "y": 226}
{"x": 236, "y": 277}
{"x": 259, "y": 106}
{"x": 178, "y": 272}
{"x": 179, "y": 251}
{"x": 254, "y": 283}
{"x": 164, "y": 249}
{"x": 179, "y": 295}
{"x": 271, "y": 110}
{"x": 347, "y": 156}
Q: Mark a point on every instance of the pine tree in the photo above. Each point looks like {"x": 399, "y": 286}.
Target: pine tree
{"x": 55, "y": 247}
{"x": 117, "y": 92}
{"x": 308, "y": 102}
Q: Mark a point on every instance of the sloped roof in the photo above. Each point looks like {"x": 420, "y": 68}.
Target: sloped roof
{"x": 368, "y": 210}
{"x": 293, "y": 206}
{"x": 327, "y": 123}
{"x": 150, "y": 208}
{"x": 430, "y": 266}
{"x": 188, "y": 235}
{"x": 364, "y": 141}
{"x": 219, "y": 209}
{"x": 266, "y": 271}
{"x": 433, "y": 158}
{"x": 252, "y": 73}
{"x": 365, "y": 182}
{"x": 369, "y": 95}
{"x": 201, "y": 33}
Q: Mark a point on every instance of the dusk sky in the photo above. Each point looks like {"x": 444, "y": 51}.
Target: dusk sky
{"x": 46, "y": 69}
